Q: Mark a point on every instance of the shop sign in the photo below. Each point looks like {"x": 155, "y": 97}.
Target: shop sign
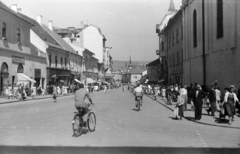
{"x": 19, "y": 60}
{"x": 37, "y": 73}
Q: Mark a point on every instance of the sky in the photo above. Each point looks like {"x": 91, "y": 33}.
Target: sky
{"x": 129, "y": 25}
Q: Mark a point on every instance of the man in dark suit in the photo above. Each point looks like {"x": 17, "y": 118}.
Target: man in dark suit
{"x": 212, "y": 99}
{"x": 198, "y": 101}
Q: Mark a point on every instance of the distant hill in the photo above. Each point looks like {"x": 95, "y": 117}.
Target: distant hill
{"x": 119, "y": 65}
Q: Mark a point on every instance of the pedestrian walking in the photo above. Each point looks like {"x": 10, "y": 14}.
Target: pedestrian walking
{"x": 54, "y": 93}
{"x": 198, "y": 101}
{"x": 105, "y": 88}
{"x": 230, "y": 99}
{"x": 218, "y": 97}
{"x": 34, "y": 89}
{"x": 183, "y": 93}
{"x": 178, "y": 111}
{"x": 212, "y": 99}
{"x": 163, "y": 91}
{"x": 122, "y": 87}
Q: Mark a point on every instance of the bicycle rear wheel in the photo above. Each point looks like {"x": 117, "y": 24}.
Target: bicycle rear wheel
{"x": 77, "y": 125}
{"x": 91, "y": 121}
{"x": 138, "y": 105}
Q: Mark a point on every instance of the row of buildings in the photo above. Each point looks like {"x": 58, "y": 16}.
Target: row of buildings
{"x": 49, "y": 55}
{"x": 200, "y": 43}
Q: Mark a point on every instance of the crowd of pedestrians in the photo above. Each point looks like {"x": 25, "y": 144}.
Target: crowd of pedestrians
{"x": 211, "y": 98}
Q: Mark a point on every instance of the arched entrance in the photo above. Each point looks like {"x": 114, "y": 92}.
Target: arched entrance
{"x": 20, "y": 68}
{"x": 4, "y": 77}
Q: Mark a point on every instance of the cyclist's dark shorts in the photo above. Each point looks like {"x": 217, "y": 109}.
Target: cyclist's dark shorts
{"x": 138, "y": 96}
{"x": 84, "y": 110}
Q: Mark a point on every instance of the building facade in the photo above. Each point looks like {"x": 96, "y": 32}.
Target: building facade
{"x": 164, "y": 42}
{"x": 153, "y": 71}
{"x": 17, "y": 55}
{"x": 211, "y": 42}
{"x": 174, "y": 51}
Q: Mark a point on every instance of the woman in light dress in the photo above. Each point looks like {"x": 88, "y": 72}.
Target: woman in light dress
{"x": 34, "y": 89}
{"x": 178, "y": 111}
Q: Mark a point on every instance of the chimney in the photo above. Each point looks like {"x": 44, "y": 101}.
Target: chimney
{"x": 50, "y": 25}
{"x": 39, "y": 19}
{"x": 19, "y": 10}
{"x": 14, "y": 8}
{"x": 82, "y": 24}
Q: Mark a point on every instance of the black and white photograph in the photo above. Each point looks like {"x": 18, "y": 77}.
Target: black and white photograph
{"x": 119, "y": 76}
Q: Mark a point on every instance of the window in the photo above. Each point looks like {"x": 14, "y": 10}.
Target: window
{"x": 18, "y": 35}
{"x": 173, "y": 60}
{"x": 162, "y": 46}
{"x": 177, "y": 38}
{"x": 56, "y": 61}
{"x": 173, "y": 39}
{"x": 20, "y": 68}
{"x": 61, "y": 61}
{"x": 65, "y": 62}
{"x": 194, "y": 29}
{"x": 219, "y": 18}
{"x": 170, "y": 64}
{"x": 50, "y": 60}
{"x": 181, "y": 32}
{"x": 169, "y": 42}
{"x": 4, "y": 30}
{"x": 178, "y": 58}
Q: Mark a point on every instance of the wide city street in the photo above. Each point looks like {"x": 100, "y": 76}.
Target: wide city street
{"x": 45, "y": 123}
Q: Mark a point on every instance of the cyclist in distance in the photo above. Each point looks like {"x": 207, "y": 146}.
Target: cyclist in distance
{"x": 138, "y": 92}
{"x": 80, "y": 96}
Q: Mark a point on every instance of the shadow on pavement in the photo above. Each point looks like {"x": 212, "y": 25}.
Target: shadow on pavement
{"x": 135, "y": 110}
{"x": 222, "y": 121}
{"x": 115, "y": 150}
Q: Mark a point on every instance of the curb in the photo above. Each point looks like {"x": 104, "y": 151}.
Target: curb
{"x": 32, "y": 99}
{"x": 203, "y": 123}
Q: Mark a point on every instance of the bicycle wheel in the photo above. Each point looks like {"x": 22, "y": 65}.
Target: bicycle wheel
{"x": 77, "y": 125}
{"x": 91, "y": 121}
{"x": 138, "y": 105}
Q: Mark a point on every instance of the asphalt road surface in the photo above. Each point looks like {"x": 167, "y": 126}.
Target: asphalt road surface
{"x": 27, "y": 126}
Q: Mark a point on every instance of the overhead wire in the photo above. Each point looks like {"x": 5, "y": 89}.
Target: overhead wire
{"x": 129, "y": 14}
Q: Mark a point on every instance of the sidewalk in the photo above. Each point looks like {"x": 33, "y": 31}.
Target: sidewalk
{"x": 206, "y": 119}
{"x": 6, "y": 101}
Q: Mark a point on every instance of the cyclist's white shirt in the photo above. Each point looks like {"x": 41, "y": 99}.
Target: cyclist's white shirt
{"x": 138, "y": 90}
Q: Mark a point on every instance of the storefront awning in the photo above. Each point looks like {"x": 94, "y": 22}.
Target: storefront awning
{"x": 22, "y": 78}
{"x": 77, "y": 80}
{"x": 89, "y": 80}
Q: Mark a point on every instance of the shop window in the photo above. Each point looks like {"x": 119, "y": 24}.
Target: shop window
{"x": 4, "y": 30}
{"x": 194, "y": 28}
{"x": 20, "y": 68}
{"x": 61, "y": 61}
{"x": 219, "y": 18}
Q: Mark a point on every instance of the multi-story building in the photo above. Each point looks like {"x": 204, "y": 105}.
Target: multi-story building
{"x": 153, "y": 71}
{"x": 174, "y": 51}
{"x": 17, "y": 55}
{"x": 164, "y": 40}
{"x": 211, "y": 42}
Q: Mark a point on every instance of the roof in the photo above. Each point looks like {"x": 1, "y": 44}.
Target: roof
{"x": 165, "y": 20}
{"x": 99, "y": 30}
{"x": 38, "y": 29}
{"x": 136, "y": 71}
{"x": 57, "y": 38}
{"x": 6, "y": 8}
{"x": 75, "y": 46}
{"x": 154, "y": 63}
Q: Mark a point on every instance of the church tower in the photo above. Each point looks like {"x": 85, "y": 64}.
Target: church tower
{"x": 171, "y": 8}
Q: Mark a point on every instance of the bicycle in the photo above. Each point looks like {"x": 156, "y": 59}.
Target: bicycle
{"x": 138, "y": 103}
{"x": 79, "y": 123}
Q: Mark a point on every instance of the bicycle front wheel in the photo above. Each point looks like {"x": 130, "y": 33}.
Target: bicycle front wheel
{"x": 91, "y": 121}
{"x": 77, "y": 125}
